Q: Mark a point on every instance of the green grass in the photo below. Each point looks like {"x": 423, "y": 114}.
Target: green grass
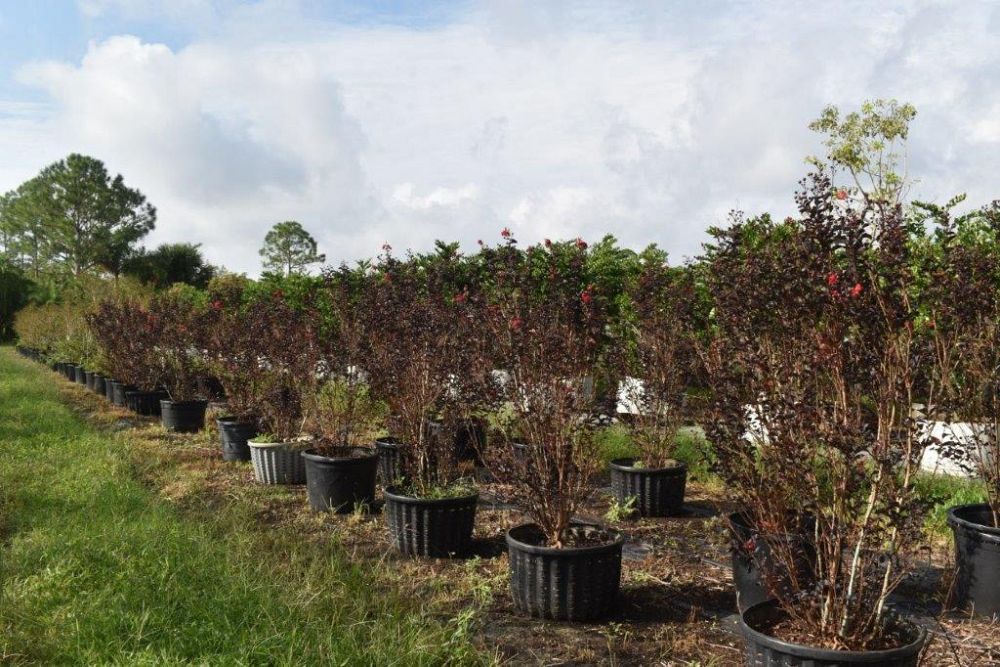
{"x": 942, "y": 492}
{"x": 691, "y": 448}
{"x": 96, "y": 568}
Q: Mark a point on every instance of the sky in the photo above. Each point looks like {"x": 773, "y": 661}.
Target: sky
{"x": 406, "y": 122}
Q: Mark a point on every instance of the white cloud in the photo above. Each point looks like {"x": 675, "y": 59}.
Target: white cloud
{"x": 649, "y": 121}
{"x": 438, "y": 197}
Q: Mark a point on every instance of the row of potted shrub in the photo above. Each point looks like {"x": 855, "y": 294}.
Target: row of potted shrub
{"x": 826, "y": 328}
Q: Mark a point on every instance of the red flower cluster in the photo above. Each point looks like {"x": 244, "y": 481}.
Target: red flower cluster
{"x": 833, "y": 278}
{"x": 841, "y": 194}
{"x": 581, "y": 244}
{"x": 586, "y": 296}
{"x": 548, "y": 243}
{"x": 505, "y": 232}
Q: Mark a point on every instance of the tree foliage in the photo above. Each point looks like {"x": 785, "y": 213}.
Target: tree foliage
{"x": 289, "y": 248}
{"x": 73, "y": 217}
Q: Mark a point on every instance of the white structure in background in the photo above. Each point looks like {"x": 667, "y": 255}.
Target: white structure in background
{"x": 630, "y": 391}
{"x": 954, "y": 448}
{"x": 756, "y": 430}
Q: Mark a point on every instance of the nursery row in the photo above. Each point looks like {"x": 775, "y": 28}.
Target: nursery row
{"x": 800, "y": 347}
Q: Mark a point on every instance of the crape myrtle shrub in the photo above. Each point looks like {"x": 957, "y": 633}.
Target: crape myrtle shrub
{"x": 344, "y": 411}
{"x": 604, "y": 267}
{"x": 959, "y": 269}
{"x": 267, "y": 351}
{"x": 59, "y": 328}
{"x": 127, "y": 333}
{"x": 177, "y": 326}
{"x": 666, "y": 320}
{"x": 815, "y": 335}
{"x": 547, "y": 334}
{"x": 422, "y": 321}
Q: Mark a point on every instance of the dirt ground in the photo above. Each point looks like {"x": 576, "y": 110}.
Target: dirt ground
{"x": 676, "y": 605}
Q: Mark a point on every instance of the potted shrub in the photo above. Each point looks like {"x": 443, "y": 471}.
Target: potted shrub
{"x": 341, "y": 466}
{"x": 231, "y": 353}
{"x": 547, "y": 332}
{"x": 961, "y": 334}
{"x": 282, "y": 365}
{"x": 176, "y": 318}
{"x": 126, "y": 335}
{"x": 662, "y": 365}
{"x": 420, "y": 339}
{"x": 814, "y": 331}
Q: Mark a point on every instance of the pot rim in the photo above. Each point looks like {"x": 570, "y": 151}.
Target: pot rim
{"x": 193, "y": 403}
{"x": 370, "y": 453}
{"x": 610, "y": 547}
{"x": 956, "y": 521}
{"x": 391, "y": 494}
{"x": 233, "y": 420}
{"x": 874, "y": 657}
{"x": 274, "y": 445}
{"x": 389, "y": 442}
{"x": 623, "y": 465}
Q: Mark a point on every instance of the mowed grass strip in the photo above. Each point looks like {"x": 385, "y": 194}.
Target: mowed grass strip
{"x": 95, "y": 568}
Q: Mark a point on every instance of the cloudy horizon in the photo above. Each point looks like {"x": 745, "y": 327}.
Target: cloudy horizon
{"x": 420, "y": 121}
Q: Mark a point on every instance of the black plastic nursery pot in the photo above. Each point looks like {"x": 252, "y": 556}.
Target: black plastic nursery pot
{"x": 109, "y": 388}
{"x": 118, "y": 392}
{"x": 977, "y": 559}
{"x": 183, "y": 416}
{"x": 89, "y": 380}
{"x": 657, "y": 491}
{"x": 434, "y": 528}
{"x": 390, "y": 466}
{"x": 69, "y": 371}
{"x": 763, "y": 650}
{"x": 234, "y": 435}
{"x": 339, "y": 479}
{"x": 749, "y": 550}
{"x": 80, "y": 375}
{"x": 568, "y": 584}
{"x": 100, "y": 383}
{"x": 145, "y": 403}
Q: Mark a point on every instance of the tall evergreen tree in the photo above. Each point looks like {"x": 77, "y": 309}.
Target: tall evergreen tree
{"x": 289, "y": 248}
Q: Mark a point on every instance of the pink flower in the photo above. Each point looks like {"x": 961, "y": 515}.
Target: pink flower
{"x": 548, "y": 243}
{"x": 581, "y": 244}
{"x": 505, "y": 232}
{"x": 216, "y": 305}
{"x": 832, "y": 278}
{"x": 515, "y": 323}
{"x": 856, "y": 290}
{"x": 461, "y": 297}
{"x": 841, "y": 194}
{"x": 586, "y": 296}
